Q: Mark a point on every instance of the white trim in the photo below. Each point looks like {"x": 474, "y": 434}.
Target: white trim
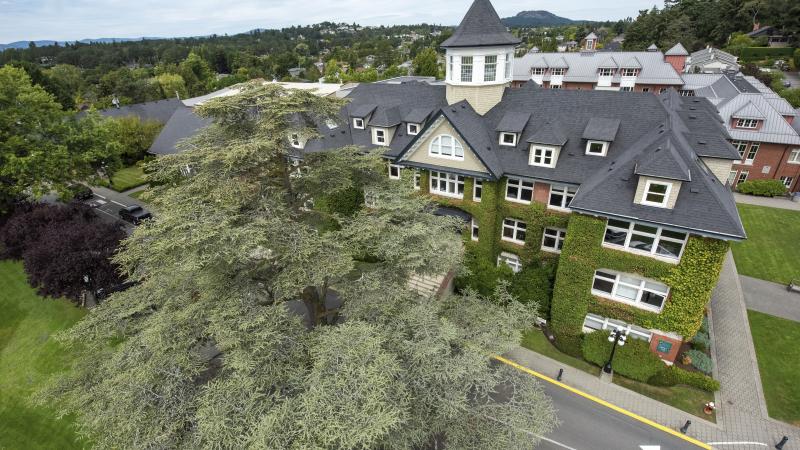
{"x": 379, "y": 136}
{"x": 435, "y": 148}
{"x": 657, "y": 237}
{"x": 794, "y": 156}
{"x": 544, "y": 150}
{"x": 606, "y": 323}
{"x": 454, "y": 184}
{"x": 474, "y": 230}
{"x": 520, "y": 186}
{"x": 747, "y": 124}
{"x": 641, "y": 287}
{"x": 558, "y": 235}
{"x": 603, "y": 150}
{"x": 662, "y": 204}
{"x": 511, "y": 260}
{"x": 417, "y": 177}
{"x": 513, "y": 142}
{"x": 517, "y": 227}
{"x": 294, "y": 140}
{"x": 567, "y": 193}
{"x": 416, "y": 129}
{"x": 476, "y": 186}
{"x": 359, "y": 123}
{"x": 393, "y": 167}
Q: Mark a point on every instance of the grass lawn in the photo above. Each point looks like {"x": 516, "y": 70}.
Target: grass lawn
{"x": 138, "y": 194}
{"x": 685, "y": 398}
{"x": 128, "y": 178}
{"x": 778, "y": 353}
{"x": 771, "y": 249}
{"x": 27, "y": 356}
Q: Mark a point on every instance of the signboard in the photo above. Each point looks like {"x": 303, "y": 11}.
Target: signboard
{"x": 663, "y": 346}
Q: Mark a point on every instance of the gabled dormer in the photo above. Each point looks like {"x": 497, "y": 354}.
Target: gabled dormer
{"x": 630, "y": 68}
{"x": 599, "y": 134}
{"x": 383, "y": 124}
{"x": 661, "y": 172}
{"x": 606, "y": 70}
{"x": 360, "y": 115}
{"x": 590, "y": 42}
{"x": 748, "y": 117}
{"x": 415, "y": 120}
{"x": 545, "y": 145}
{"x": 510, "y": 128}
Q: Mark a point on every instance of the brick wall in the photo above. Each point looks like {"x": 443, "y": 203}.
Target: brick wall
{"x": 541, "y": 192}
{"x": 771, "y": 162}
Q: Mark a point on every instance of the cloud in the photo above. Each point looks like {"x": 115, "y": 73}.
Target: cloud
{"x": 79, "y": 19}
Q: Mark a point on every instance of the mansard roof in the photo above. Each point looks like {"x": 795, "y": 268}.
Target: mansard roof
{"x": 582, "y": 67}
{"x": 480, "y": 27}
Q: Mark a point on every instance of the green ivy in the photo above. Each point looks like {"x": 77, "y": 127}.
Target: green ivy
{"x": 691, "y": 282}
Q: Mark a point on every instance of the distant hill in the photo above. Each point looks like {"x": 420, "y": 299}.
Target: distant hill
{"x": 44, "y": 43}
{"x": 536, "y": 19}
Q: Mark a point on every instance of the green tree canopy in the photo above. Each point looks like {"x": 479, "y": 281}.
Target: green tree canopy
{"x": 426, "y": 63}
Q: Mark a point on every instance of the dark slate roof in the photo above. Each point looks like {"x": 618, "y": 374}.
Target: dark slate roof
{"x": 183, "y": 123}
{"x": 160, "y": 110}
{"x": 418, "y": 115}
{"x": 480, "y": 27}
{"x": 362, "y": 110}
{"x": 662, "y": 160}
{"x": 601, "y": 129}
{"x": 386, "y": 117}
{"x": 549, "y": 133}
{"x": 513, "y": 122}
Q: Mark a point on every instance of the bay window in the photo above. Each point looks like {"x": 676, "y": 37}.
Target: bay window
{"x": 514, "y": 231}
{"x": 447, "y": 184}
{"x": 647, "y": 239}
{"x": 561, "y": 196}
{"x": 489, "y": 67}
{"x": 624, "y": 288}
{"x": 466, "y": 69}
{"x": 519, "y": 191}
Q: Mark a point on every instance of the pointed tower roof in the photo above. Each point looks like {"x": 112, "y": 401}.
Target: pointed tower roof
{"x": 480, "y": 27}
{"x": 677, "y": 50}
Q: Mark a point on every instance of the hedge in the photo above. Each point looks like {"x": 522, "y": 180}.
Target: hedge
{"x": 672, "y": 376}
{"x": 764, "y": 188}
{"x": 691, "y": 282}
{"x": 633, "y": 360}
{"x": 700, "y": 361}
{"x": 747, "y": 54}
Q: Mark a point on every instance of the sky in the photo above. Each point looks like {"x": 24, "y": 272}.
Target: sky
{"x": 22, "y": 20}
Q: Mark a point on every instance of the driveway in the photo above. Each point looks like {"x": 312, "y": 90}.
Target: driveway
{"x": 770, "y": 298}
{"x": 107, "y": 203}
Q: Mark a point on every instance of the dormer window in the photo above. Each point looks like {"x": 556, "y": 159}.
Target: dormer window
{"x": 558, "y": 71}
{"x": 509, "y": 139}
{"x": 358, "y": 123}
{"x": 379, "y": 136}
{"x": 597, "y": 148}
{"x": 656, "y": 193}
{"x": 543, "y": 156}
{"x": 537, "y": 71}
{"x": 412, "y": 129}
{"x": 630, "y": 72}
{"x": 750, "y": 124}
{"x": 294, "y": 139}
{"x": 446, "y": 146}
{"x": 606, "y": 72}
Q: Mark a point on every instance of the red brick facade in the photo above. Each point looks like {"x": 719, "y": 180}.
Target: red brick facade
{"x": 771, "y": 162}
{"x": 541, "y": 192}
{"x": 654, "y": 88}
{"x": 671, "y": 345}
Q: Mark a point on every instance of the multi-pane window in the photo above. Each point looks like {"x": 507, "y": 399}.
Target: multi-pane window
{"x": 626, "y": 288}
{"x": 794, "y": 156}
{"x": 412, "y": 129}
{"x": 594, "y": 322}
{"x": 511, "y": 260}
{"x": 295, "y": 140}
{"x": 686, "y": 92}
{"x": 606, "y": 72}
{"x": 477, "y": 190}
{"x": 645, "y": 89}
{"x": 555, "y": 86}
{"x": 596, "y": 148}
{"x": 452, "y": 74}
{"x": 732, "y": 177}
{"x": 466, "y": 68}
{"x": 656, "y": 194}
{"x": 630, "y": 72}
{"x": 446, "y": 146}
{"x": 358, "y": 123}
{"x": 519, "y": 190}
{"x": 743, "y": 176}
{"x": 558, "y": 71}
{"x": 626, "y": 89}
{"x": 787, "y": 181}
{"x": 489, "y": 67}
{"x": 553, "y": 239}
{"x": 474, "y": 229}
{"x": 394, "y": 172}
{"x": 640, "y": 238}
{"x": 416, "y": 179}
{"x": 746, "y": 123}
{"x": 751, "y": 153}
{"x": 508, "y": 139}
{"x": 741, "y": 146}
{"x": 537, "y": 71}
{"x": 509, "y": 60}
{"x": 541, "y": 156}
{"x": 561, "y": 196}
{"x": 379, "y": 136}
{"x": 447, "y": 184}
{"x": 514, "y": 231}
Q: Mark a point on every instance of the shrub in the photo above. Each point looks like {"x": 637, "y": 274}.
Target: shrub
{"x": 672, "y": 375}
{"x": 764, "y": 188}
{"x": 704, "y": 325}
{"x": 633, "y": 360}
{"x": 534, "y": 284}
{"x": 701, "y": 341}
{"x": 700, "y": 361}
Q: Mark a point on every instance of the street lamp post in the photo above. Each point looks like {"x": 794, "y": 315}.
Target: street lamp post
{"x": 618, "y": 337}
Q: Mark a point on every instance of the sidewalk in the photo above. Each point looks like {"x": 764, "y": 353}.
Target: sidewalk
{"x": 770, "y": 298}
{"x": 742, "y": 420}
{"x": 771, "y": 202}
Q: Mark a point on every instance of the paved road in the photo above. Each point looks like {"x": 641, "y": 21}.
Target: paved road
{"x": 589, "y": 425}
{"x": 770, "y": 298}
{"x": 793, "y": 77}
{"x": 107, "y": 203}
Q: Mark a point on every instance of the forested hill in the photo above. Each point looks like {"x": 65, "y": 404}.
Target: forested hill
{"x": 536, "y": 18}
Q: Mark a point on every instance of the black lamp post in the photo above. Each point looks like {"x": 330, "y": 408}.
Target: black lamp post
{"x": 617, "y": 336}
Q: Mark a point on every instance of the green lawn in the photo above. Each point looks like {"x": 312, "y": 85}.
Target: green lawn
{"x": 772, "y": 246}
{"x": 128, "y": 178}
{"x": 138, "y": 194}
{"x": 778, "y": 353}
{"x": 685, "y": 398}
{"x": 27, "y": 356}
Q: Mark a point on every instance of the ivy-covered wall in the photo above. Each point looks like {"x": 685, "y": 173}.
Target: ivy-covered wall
{"x": 691, "y": 282}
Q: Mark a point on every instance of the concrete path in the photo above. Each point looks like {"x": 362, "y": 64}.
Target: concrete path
{"x": 772, "y": 202}
{"x": 135, "y": 189}
{"x": 770, "y": 298}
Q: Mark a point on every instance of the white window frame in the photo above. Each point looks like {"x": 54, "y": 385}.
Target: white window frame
{"x": 454, "y": 184}
{"x": 787, "y": 181}
{"x": 557, "y": 235}
{"x": 558, "y": 71}
{"x": 379, "y": 136}
{"x": 412, "y": 129}
{"x": 435, "y": 148}
{"x": 741, "y": 147}
{"x": 294, "y": 140}
{"x": 605, "y": 72}
{"x": 752, "y": 151}
{"x": 509, "y": 61}
{"x": 535, "y": 150}
{"x": 645, "y": 89}
{"x": 662, "y": 204}
{"x": 629, "y": 72}
{"x": 657, "y": 237}
{"x": 555, "y": 86}
{"x": 732, "y": 177}
{"x": 394, "y": 168}
{"x": 511, "y": 260}
{"x": 477, "y": 190}
{"x": 603, "y": 150}
{"x": 743, "y": 176}
{"x": 567, "y": 195}
{"x": 358, "y": 123}
{"x": 466, "y": 69}
{"x": 417, "y": 177}
{"x": 641, "y": 288}
{"x": 452, "y": 75}
{"x": 520, "y": 185}
{"x": 331, "y": 124}
{"x": 626, "y": 89}
{"x": 794, "y": 156}
{"x": 538, "y": 71}
{"x": 516, "y": 227}
{"x": 748, "y": 124}
{"x": 504, "y": 134}
{"x": 606, "y": 324}
{"x": 474, "y": 230}
{"x": 489, "y": 68}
